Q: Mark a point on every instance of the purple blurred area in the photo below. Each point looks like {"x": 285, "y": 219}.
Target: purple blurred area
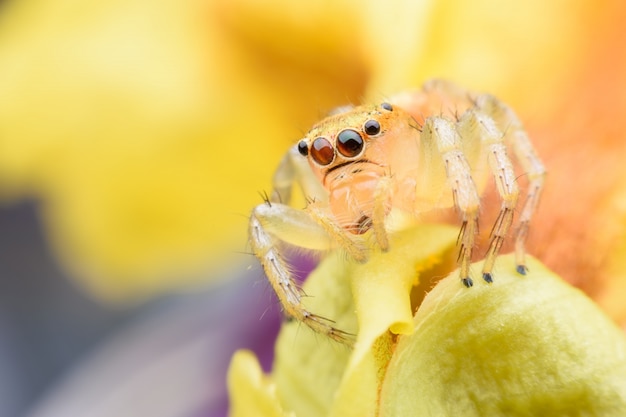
{"x": 64, "y": 354}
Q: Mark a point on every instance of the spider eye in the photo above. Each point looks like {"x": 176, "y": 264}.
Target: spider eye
{"x": 387, "y": 106}
{"x": 322, "y": 151}
{"x": 303, "y": 148}
{"x": 371, "y": 127}
{"x": 349, "y": 143}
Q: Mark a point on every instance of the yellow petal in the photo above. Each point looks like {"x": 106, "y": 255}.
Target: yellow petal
{"x": 387, "y": 278}
{"x": 308, "y": 367}
{"x": 252, "y": 394}
{"x": 382, "y": 290}
{"x": 318, "y": 377}
{"x": 521, "y": 346}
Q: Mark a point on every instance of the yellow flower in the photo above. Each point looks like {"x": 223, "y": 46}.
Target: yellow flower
{"x": 521, "y": 346}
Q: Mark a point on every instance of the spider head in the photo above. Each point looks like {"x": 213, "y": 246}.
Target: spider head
{"x": 349, "y": 137}
{"x": 349, "y": 152}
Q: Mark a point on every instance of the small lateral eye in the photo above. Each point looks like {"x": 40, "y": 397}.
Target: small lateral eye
{"x": 303, "y": 148}
{"x": 387, "y": 106}
{"x": 322, "y": 151}
{"x": 349, "y": 143}
{"x": 371, "y": 127}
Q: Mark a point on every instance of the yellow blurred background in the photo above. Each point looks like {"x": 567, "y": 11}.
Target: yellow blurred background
{"x": 145, "y": 130}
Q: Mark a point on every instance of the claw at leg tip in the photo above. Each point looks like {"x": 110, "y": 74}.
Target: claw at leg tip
{"x": 467, "y": 282}
{"x": 521, "y": 269}
{"x": 488, "y": 277}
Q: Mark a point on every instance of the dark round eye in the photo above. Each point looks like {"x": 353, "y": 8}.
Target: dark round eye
{"x": 303, "y": 148}
{"x": 349, "y": 143}
{"x": 387, "y": 106}
{"x": 322, "y": 151}
{"x": 371, "y": 127}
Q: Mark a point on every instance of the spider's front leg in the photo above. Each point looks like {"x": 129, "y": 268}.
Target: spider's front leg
{"x": 271, "y": 223}
{"x": 292, "y": 170}
{"x": 274, "y": 222}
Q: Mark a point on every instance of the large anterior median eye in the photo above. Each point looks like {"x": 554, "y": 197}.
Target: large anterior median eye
{"x": 322, "y": 151}
{"x": 349, "y": 143}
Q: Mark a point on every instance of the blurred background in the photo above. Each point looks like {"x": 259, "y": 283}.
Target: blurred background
{"x": 136, "y": 135}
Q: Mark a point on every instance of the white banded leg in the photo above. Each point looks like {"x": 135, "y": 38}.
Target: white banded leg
{"x": 516, "y": 137}
{"x": 381, "y": 194}
{"x": 294, "y": 169}
{"x": 478, "y": 127}
{"x": 271, "y": 223}
{"x": 342, "y": 237}
{"x": 441, "y": 140}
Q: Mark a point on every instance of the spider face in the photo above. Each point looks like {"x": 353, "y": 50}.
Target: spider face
{"x": 350, "y": 152}
{"x": 344, "y": 138}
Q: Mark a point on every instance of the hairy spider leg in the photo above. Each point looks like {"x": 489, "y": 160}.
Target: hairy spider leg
{"x": 516, "y": 138}
{"x": 478, "y": 128}
{"x": 440, "y": 141}
{"x": 273, "y": 222}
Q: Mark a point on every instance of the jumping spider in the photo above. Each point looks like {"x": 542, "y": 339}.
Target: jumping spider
{"x": 414, "y": 152}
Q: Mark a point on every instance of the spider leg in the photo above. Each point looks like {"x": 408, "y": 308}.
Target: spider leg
{"x": 322, "y": 216}
{"x": 440, "y": 139}
{"x": 294, "y": 169}
{"x": 271, "y": 223}
{"x": 381, "y": 193}
{"x": 516, "y": 137}
{"x": 274, "y": 221}
{"x": 479, "y": 128}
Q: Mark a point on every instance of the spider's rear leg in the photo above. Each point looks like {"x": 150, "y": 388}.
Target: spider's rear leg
{"x": 504, "y": 176}
{"x": 271, "y": 223}
{"x": 536, "y": 175}
{"x": 516, "y": 137}
{"x": 440, "y": 139}
{"x": 482, "y": 130}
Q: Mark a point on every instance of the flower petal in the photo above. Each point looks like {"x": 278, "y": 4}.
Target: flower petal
{"x": 317, "y": 377}
{"x": 521, "y": 346}
{"x": 252, "y": 394}
{"x": 308, "y": 367}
